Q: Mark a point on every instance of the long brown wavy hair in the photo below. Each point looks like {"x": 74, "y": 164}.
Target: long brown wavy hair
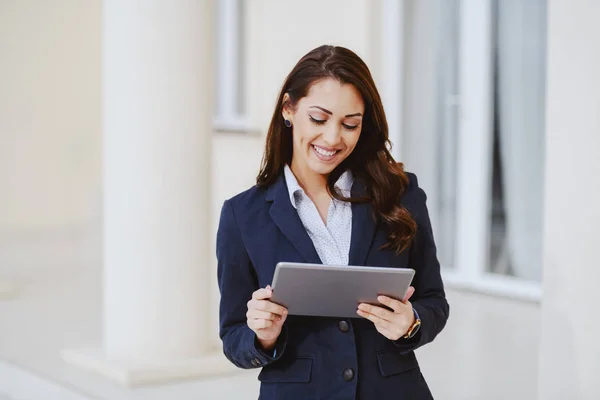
{"x": 371, "y": 162}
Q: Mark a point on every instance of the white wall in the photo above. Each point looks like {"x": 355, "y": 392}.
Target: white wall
{"x": 49, "y": 112}
{"x": 570, "y": 348}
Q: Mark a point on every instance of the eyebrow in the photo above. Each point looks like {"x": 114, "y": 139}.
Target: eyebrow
{"x": 330, "y": 113}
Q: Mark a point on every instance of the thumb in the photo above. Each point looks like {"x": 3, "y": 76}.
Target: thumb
{"x": 409, "y": 293}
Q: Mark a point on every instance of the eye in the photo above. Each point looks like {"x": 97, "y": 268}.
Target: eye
{"x": 317, "y": 121}
{"x": 350, "y": 127}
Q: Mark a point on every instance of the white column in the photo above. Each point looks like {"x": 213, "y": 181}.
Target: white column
{"x": 158, "y": 97}
{"x": 570, "y": 345}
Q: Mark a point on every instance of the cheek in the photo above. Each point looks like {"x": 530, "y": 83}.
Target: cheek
{"x": 304, "y": 133}
{"x": 352, "y": 140}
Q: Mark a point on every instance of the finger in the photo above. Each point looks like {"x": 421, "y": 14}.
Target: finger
{"x": 391, "y": 303}
{"x": 280, "y": 319}
{"x": 259, "y": 323}
{"x": 386, "y": 328}
{"x": 271, "y": 307}
{"x": 409, "y": 293}
{"x": 262, "y": 294}
{"x": 378, "y": 321}
{"x": 259, "y": 314}
{"x": 377, "y": 311}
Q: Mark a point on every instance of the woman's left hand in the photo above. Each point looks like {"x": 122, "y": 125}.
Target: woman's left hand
{"x": 391, "y": 324}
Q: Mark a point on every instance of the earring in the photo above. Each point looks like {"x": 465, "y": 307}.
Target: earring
{"x": 288, "y": 123}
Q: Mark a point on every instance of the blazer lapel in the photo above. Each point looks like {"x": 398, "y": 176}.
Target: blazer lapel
{"x": 363, "y": 227}
{"x": 286, "y": 218}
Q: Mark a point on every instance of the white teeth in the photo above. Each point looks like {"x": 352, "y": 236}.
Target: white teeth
{"x": 324, "y": 152}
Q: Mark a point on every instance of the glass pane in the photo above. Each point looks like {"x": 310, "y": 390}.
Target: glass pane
{"x": 518, "y": 153}
{"x": 230, "y": 50}
{"x": 447, "y": 130}
{"x": 431, "y": 111}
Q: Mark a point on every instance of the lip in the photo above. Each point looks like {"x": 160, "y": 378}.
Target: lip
{"x": 325, "y": 147}
{"x": 321, "y": 156}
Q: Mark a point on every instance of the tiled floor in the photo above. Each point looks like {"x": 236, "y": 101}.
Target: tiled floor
{"x": 487, "y": 351}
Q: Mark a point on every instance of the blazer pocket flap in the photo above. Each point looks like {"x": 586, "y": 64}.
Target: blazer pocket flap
{"x": 392, "y": 363}
{"x": 298, "y": 371}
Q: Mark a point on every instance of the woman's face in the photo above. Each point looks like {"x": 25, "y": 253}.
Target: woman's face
{"x": 326, "y": 126}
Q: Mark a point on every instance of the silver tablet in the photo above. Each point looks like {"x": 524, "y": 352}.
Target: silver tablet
{"x": 335, "y": 291}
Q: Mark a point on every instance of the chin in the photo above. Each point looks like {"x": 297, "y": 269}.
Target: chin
{"x": 322, "y": 168}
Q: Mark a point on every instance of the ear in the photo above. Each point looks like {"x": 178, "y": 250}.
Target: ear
{"x": 286, "y": 109}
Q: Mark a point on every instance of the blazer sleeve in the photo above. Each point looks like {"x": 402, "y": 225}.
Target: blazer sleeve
{"x": 429, "y": 299}
{"x": 237, "y": 281}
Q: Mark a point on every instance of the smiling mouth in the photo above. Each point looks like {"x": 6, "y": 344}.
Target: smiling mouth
{"x": 323, "y": 154}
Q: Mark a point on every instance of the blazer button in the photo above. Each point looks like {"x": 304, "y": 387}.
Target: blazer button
{"x": 348, "y": 374}
{"x": 344, "y": 327}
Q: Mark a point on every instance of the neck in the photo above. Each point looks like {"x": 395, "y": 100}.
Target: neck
{"x": 312, "y": 183}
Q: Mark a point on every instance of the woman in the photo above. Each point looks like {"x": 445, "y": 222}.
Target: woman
{"x": 329, "y": 192}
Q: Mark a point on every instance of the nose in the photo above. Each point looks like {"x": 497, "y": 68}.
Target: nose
{"x": 332, "y": 135}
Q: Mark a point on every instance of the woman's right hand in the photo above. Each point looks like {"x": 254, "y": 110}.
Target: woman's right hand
{"x": 265, "y": 318}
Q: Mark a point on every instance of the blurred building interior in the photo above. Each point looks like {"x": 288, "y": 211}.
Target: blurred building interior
{"x": 492, "y": 103}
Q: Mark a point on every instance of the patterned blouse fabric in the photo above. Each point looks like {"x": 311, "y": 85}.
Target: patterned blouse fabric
{"x": 331, "y": 239}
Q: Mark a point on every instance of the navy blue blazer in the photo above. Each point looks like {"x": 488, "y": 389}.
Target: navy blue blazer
{"x": 314, "y": 355}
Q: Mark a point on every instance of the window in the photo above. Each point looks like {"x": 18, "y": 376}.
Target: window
{"x": 472, "y": 128}
{"x": 230, "y": 112}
